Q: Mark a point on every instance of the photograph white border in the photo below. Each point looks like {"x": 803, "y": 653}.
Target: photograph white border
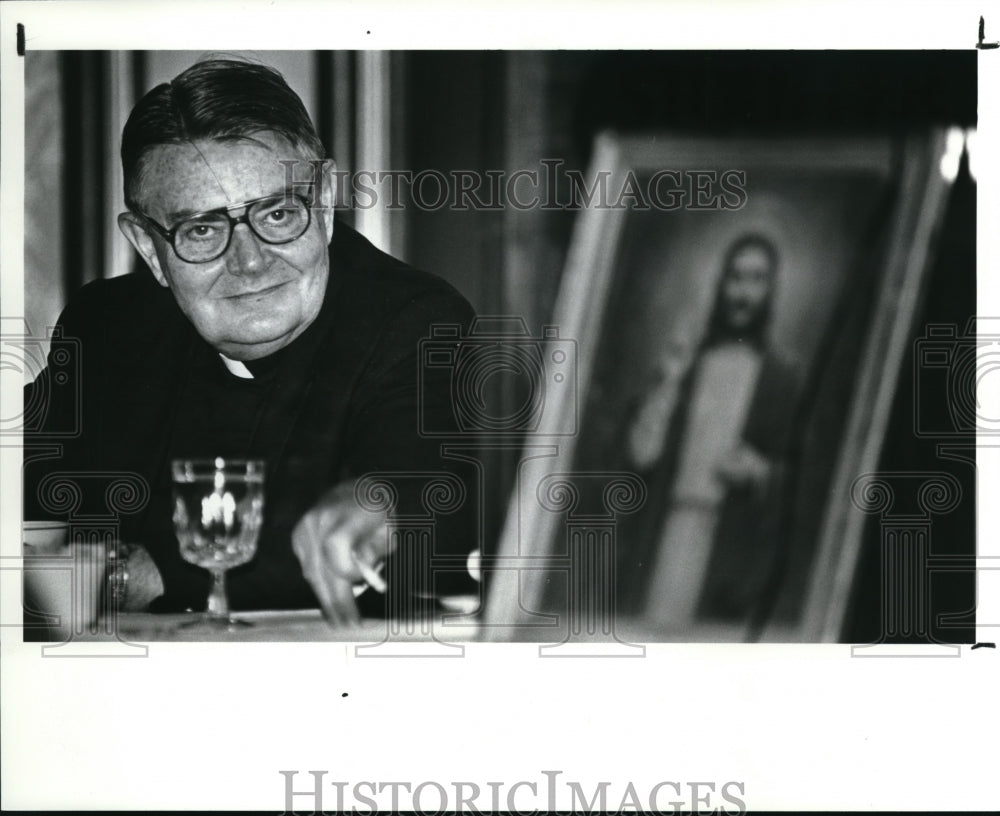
{"x": 801, "y": 727}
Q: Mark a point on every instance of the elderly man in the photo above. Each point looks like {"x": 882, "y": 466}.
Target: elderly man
{"x": 261, "y": 329}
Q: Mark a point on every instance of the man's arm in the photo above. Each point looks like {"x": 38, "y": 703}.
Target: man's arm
{"x": 337, "y": 542}
{"x": 70, "y": 403}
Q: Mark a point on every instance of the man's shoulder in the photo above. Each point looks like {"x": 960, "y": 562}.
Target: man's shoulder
{"x": 379, "y": 284}
{"x": 121, "y": 318}
{"x": 131, "y": 298}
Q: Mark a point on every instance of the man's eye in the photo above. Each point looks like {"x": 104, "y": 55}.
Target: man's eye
{"x": 278, "y": 216}
{"x": 199, "y": 231}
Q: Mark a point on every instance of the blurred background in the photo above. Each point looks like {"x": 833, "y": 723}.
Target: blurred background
{"x": 505, "y": 111}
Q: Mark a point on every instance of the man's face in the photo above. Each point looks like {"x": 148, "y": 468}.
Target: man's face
{"x": 257, "y": 297}
{"x": 746, "y": 287}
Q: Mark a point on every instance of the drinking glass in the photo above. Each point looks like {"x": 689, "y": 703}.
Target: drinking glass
{"x": 218, "y": 509}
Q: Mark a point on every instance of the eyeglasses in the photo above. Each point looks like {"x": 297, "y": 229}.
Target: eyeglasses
{"x": 205, "y": 236}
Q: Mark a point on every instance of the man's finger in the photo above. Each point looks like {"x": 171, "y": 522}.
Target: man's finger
{"x": 371, "y": 576}
{"x": 308, "y": 548}
{"x": 337, "y": 554}
{"x": 325, "y": 599}
{"x": 317, "y": 575}
{"x": 339, "y": 573}
{"x": 342, "y": 599}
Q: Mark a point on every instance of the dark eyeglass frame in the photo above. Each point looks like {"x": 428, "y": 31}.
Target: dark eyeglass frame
{"x": 170, "y": 234}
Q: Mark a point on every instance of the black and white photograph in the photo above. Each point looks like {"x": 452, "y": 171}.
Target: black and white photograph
{"x": 381, "y": 346}
{"x": 728, "y": 306}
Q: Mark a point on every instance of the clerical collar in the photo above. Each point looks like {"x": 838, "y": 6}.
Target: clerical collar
{"x": 263, "y": 367}
{"x": 237, "y": 368}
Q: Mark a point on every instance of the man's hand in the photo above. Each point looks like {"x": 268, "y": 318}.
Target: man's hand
{"x": 338, "y": 545}
{"x": 144, "y": 584}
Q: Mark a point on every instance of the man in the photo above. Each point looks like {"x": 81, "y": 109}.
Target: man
{"x": 261, "y": 329}
{"x": 713, "y": 437}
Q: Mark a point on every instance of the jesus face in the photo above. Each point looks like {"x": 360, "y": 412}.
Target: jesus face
{"x": 746, "y": 287}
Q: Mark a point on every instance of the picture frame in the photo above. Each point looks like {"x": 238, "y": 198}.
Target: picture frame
{"x": 853, "y": 220}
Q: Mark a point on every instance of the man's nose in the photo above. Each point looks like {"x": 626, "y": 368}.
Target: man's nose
{"x": 244, "y": 256}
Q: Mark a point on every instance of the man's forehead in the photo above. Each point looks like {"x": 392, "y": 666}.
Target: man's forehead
{"x": 190, "y": 177}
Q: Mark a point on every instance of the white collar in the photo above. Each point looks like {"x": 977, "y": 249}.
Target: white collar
{"x": 237, "y": 368}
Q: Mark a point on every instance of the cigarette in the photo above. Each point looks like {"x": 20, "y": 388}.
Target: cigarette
{"x": 371, "y": 576}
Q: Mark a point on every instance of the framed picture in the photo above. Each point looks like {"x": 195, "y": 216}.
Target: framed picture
{"x": 741, "y": 309}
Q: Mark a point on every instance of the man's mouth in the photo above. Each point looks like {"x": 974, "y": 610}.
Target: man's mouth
{"x": 263, "y": 291}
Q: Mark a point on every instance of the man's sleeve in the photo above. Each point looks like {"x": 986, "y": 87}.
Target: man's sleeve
{"x": 53, "y": 413}
{"x": 401, "y": 398}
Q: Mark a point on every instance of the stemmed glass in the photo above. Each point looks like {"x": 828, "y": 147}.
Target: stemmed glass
{"x": 218, "y": 509}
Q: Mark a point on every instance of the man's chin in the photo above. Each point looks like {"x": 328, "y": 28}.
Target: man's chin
{"x": 255, "y": 346}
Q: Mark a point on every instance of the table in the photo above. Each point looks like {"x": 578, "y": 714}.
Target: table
{"x": 286, "y": 626}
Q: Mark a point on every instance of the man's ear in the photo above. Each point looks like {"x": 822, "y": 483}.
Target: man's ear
{"x": 329, "y": 196}
{"x": 138, "y": 236}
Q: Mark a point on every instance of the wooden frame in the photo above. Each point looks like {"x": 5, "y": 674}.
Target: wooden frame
{"x": 908, "y": 177}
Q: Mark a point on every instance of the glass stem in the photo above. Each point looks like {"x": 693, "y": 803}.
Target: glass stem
{"x": 218, "y": 603}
